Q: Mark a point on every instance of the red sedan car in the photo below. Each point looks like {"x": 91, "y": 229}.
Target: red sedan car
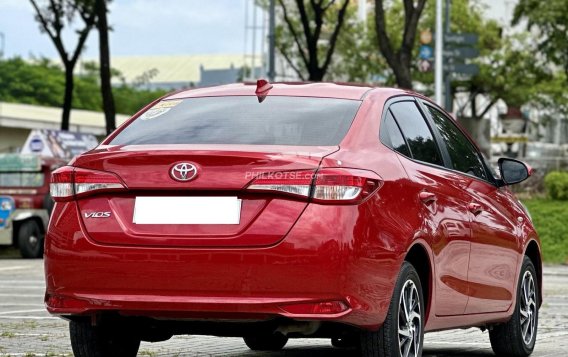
{"x": 363, "y": 215}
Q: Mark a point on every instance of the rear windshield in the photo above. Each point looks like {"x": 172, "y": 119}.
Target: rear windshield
{"x": 278, "y": 120}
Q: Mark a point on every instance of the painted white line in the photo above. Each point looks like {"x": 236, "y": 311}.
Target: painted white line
{"x": 29, "y": 318}
{"x": 456, "y": 343}
{"x": 22, "y": 311}
{"x": 6, "y": 304}
{"x": 33, "y": 354}
{"x": 24, "y": 295}
{"x": 22, "y": 281}
{"x": 31, "y": 334}
{"x": 16, "y": 287}
{"x": 17, "y": 267}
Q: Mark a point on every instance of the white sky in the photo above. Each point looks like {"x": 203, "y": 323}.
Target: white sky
{"x": 157, "y": 27}
{"x": 141, "y": 27}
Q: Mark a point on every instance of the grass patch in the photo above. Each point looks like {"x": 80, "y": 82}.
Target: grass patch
{"x": 550, "y": 218}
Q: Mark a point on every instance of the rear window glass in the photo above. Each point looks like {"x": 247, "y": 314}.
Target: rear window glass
{"x": 21, "y": 179}
{"x": 278, "y": 120}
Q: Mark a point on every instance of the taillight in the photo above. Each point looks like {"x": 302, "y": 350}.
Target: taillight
{"x": 329, "y": 185}
{"x": 296, "y": 183}
{"x": 68, "y": 182}
{"x": 61, "y": 184}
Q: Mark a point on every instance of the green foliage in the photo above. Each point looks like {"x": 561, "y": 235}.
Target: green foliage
{"x": 356, "y": 57}
{"x": 550, "y": 18}
{"x": 549, "y": 218}
{"x": 556, "y": 183}
{"x": 509, "y": 69}
{"x": 40, "y": 82}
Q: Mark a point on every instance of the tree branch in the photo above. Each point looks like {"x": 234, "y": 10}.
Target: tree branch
{"x": 335, "y": 35}
{"x": 83, "y": 37}
{"x": 384, "y": 42}
{"x": 294, "y": 33}
{"x": 55, "y": 37}
{"x": 412, "y": 16}
{"x": 292, "y": 64}
{"x": 489, "y": 106}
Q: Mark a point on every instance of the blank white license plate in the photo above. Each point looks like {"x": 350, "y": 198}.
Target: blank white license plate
{"x": 187, "y": 210}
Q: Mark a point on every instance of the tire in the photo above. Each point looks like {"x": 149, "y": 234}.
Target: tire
{"x": 517, "y": 337}
{"x": 30, "y": 240}
{"x": 386, "y": 341}
{"x": 48, "y": 204}
{"x": 99, "y": 341}
{"x": 273, "y": 342}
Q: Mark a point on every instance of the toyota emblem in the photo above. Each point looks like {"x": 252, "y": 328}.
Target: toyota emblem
{"x": 183, "y": 171}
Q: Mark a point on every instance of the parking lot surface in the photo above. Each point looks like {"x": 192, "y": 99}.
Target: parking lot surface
{"x": 26, "y": 329}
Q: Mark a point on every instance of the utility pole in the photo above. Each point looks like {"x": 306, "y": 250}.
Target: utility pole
{"x": 3, "y": 45}
{"x": 449, "y": 98}
{"x": 271, "y": 42}
{"x": 439, "y": 69}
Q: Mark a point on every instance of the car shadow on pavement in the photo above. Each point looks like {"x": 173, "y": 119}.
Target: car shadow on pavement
{"x": 320, "y": 351}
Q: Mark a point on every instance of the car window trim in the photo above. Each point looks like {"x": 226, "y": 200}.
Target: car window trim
{"x": 425, "y": 104}
{"x": 409, "y": 98}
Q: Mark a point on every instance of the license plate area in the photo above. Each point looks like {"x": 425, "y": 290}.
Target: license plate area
{"x": 187, "y": 210}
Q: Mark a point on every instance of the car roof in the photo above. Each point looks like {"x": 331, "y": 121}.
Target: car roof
{"x": 293, "y": 89}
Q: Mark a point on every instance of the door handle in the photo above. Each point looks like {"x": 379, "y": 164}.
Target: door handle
{"x": 427, "y": 197}
{"x": 475, "y": 208}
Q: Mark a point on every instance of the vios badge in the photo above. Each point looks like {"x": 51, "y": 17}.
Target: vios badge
{"x": 183, "y": 171}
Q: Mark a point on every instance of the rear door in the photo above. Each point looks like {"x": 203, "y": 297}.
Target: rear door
{"x": 493, "y": 259}
{"x": 440, "y": 200}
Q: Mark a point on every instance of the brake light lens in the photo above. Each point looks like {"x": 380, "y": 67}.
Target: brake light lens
{"x": 61, "y": 184}
{"x": 68, "y": 182}
{"x": 342, "y": 186}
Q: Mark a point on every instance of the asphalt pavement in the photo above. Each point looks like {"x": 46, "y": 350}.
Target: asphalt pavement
{"x": 26, "y": 329}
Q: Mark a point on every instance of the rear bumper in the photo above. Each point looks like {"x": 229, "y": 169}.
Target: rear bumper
{"x": 327, "y": 256}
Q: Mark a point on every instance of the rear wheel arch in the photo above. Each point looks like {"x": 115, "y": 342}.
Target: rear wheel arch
{"x": 532, "y": 251}
{"x": 419, "y": 257}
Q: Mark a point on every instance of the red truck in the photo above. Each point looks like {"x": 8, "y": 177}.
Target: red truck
{"x": 25, "y": 178}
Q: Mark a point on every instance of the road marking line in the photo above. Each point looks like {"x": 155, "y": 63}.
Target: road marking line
{"x": 31, "y": 334}
{"x": 457, "y": 343}
{"x": 28, "y": 318}
{"x": 21, "y": 311}
{"x": 5, "y": 304}
{"x": 17, "y": 267}
{"x": 12, "y": 287}
{"x": 23, "y": 295}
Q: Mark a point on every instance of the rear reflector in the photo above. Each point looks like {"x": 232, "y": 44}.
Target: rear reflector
{"x": 326, "y": 186}
{"x": 319, "y": 308}
{"x": 68, "y": 182}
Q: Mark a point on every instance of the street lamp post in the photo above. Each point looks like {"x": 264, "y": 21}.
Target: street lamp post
{"x": 438, "y": 84}
{"x": 3, "y": 44}
{"x": 271, "y": 42}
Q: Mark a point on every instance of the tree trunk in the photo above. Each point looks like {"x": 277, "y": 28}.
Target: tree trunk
{"x": 68, "y": 98}
{"x": 104, "y": 60}
{"x": 402, "y": 76}
{"x": 316, "y": 75}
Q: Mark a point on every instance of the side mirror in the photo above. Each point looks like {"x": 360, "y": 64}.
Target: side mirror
{"x": 513, "y": 171}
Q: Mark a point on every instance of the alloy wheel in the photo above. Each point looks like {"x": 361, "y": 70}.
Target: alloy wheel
{"x": 409, "y": 321}
{"x": 528, "y": 308}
